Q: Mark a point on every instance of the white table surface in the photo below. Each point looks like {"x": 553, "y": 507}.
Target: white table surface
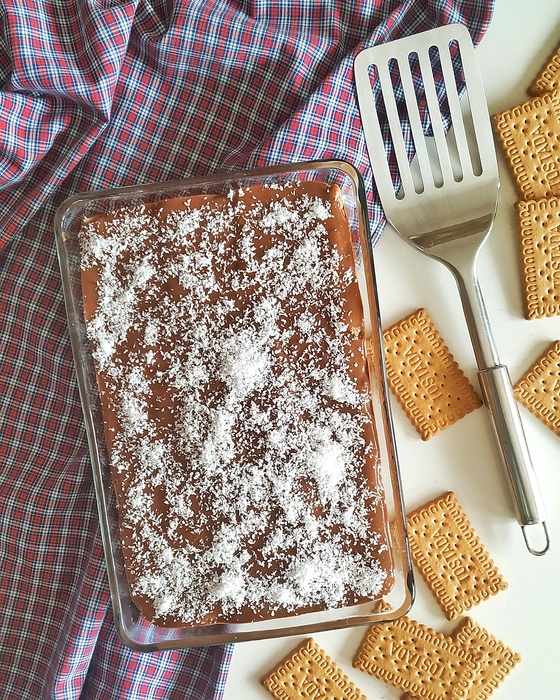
{"x": 463, "y": 458}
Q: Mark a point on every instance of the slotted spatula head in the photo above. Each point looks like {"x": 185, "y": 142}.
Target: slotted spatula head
{"x": 429, "y": 137}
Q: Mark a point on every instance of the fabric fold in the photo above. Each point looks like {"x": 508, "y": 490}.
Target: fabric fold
{"x": 62, "y": 66}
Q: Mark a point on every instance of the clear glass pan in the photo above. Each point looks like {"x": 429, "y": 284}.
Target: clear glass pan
{"x": 136, "y": 632}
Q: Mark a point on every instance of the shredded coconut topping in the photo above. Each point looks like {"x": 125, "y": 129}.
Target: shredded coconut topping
{"x": 240, "y": 438}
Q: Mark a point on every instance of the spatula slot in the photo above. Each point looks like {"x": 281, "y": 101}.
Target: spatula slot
{"x": 383, "y": 81}
{"x": 462, "y": 88}
{"x": 427, "y": 164}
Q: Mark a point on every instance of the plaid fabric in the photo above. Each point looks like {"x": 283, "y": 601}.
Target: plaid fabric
{"x": 98, "y": 93}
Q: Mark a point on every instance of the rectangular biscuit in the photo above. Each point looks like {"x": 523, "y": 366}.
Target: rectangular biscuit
{"x": 450, "y": 556}
{"x": 412, "y": 657}
{"x": 539, "y": 242}
{"x": 424, "y": 377}
{"x": 548, "y": 77}
{"x": 529, "y": 135}
{"x": 495, "y": 659}
{"x": 306, "y": 673}
{"x": 539, "y": 388}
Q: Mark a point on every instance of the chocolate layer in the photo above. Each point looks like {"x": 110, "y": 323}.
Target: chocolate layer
{"x": 228, "y": 337}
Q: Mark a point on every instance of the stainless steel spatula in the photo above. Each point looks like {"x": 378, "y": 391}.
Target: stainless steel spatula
{"x": 438, "y": 185}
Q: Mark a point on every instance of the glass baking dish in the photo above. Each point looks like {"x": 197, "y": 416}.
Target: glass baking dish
{"x": 135, "y": 631}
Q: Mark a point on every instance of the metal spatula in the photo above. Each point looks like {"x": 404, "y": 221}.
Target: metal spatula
{"x": 438, "y": 185}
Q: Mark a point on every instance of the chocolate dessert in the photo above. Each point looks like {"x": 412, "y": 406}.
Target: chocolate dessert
{"x": 228, "y": 338}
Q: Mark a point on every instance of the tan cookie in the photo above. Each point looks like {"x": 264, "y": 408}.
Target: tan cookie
{"x": 548, "y": 78}
{"x": 539, "y": 240}
{"x": 495, "y": 659}
{"x": 450, "y": 556}
{"x": 539, "y": 388}
{"x": 423, "y": 375}
{"x": 412, "y": 657}
{"x": 308, "y": 673}
{"x": 529, "y": 135}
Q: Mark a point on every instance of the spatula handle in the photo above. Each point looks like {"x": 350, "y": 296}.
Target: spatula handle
{"x": 498, "y": 394}
{"x": 502, "y": 405}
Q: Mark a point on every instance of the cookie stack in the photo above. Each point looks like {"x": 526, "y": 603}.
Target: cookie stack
{"x": 529, "y": 135}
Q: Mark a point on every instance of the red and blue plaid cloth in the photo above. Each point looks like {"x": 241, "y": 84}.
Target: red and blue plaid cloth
{"x": 100, "y": 93}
